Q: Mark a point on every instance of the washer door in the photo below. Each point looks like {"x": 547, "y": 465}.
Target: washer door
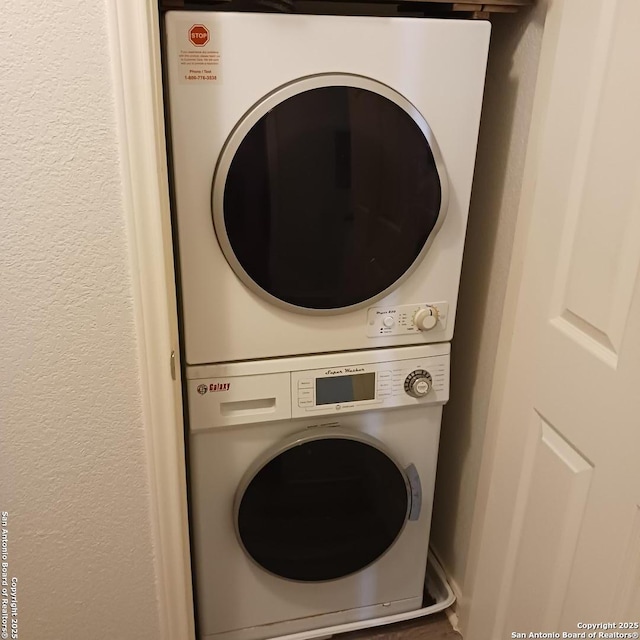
{"x": 324, "y": 504}
{"x": 328, "y": 193}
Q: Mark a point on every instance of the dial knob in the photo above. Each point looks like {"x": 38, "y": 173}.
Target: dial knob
{"x": 418, "y": 383}
{"x": 426, "y": 319}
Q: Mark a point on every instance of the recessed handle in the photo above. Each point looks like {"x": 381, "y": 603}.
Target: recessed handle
{"x": 416, "y": 491}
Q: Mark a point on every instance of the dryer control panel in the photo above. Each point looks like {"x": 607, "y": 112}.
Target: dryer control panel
{"x": 427, "y": 317}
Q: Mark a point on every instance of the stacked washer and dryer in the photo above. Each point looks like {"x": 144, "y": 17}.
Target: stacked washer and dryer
{"x": 322, "y": 169}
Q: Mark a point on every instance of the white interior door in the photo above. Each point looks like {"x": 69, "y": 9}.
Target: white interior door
{"x": 559, "y": 540}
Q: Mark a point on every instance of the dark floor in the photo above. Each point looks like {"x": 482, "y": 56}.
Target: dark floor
{"x": 433, "y": 627}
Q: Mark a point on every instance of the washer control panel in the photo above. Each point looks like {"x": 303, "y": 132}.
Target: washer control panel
{"x": 405, "y": 319}
{"x": 359, "y": 387}
{"x": 235, "y": 393}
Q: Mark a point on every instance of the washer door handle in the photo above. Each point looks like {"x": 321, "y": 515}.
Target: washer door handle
{"x": 416, "y": 491}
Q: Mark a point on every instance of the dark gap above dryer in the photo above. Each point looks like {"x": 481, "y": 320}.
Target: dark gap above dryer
{"x": 412, "y": 8}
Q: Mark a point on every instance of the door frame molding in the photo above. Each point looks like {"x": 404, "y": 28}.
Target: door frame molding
{"x": 137, "y": 77}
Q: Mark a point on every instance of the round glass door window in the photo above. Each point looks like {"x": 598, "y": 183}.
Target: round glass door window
{"x": 322, "y": 509}
{"x": 328, "y": 193}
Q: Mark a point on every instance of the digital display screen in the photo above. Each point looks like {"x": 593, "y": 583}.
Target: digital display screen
{"x": 361, "y": 386}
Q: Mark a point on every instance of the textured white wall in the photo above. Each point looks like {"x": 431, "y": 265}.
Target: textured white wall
{"x": 506, "y": 116}
{"x": 72, "y": 453}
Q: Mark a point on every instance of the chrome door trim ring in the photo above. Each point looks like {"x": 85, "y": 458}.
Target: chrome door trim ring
{"x": 311, "y": 434}
{"x": 253, "y": 115}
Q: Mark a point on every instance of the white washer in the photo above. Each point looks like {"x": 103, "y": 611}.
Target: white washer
{"x": 322, "y": 172}
{"x": 311, "y": 488}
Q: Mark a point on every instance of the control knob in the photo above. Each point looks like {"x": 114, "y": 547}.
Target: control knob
{"x": 426, "y": 318}
{"x": 418, "y": 383}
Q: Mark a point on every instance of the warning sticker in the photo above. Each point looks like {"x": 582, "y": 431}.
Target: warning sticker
{"x": 199, "y": 55}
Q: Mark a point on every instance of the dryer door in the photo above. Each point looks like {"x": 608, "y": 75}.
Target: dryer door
{"x": 324, "y": 504}
{"x": 328, "y": 193}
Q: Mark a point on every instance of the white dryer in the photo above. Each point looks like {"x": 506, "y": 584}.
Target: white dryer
{"x": 322, "y": 170}
{"x": 311, "y": 488}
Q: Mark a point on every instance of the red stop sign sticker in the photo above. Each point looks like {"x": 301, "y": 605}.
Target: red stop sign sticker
{"x": 198, "y": 35}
